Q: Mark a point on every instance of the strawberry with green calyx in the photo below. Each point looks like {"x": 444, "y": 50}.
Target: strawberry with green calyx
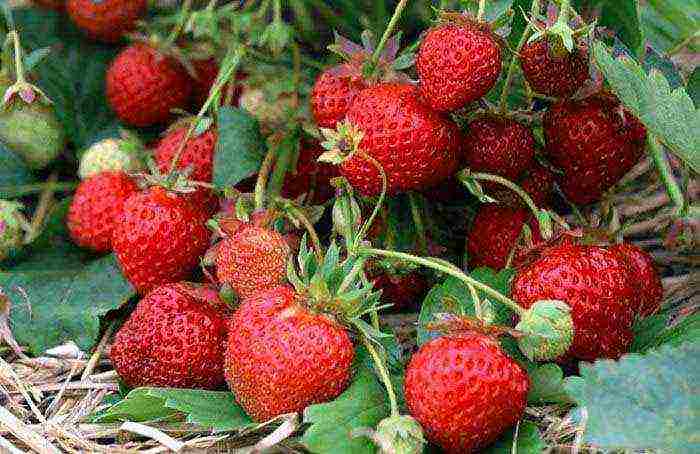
{"x": 290, "y": 346}
{"x": 465, "y": 390}
{"x": 553, "y": 62}
{"x": 159, "y": 236}
{"x": 337, "y": 87}
{"x": 553, "y": 329}
{"x": 123, "y": 154}
{"x": 459, "y": 62}
{"x": 13, "y": 226}
{"x": 28, "y": 122}
{"x": 106, "y": 20}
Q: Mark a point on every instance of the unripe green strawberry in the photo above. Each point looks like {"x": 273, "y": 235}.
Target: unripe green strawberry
{"x": 110, "y": 155}
{"x": 32, "y": 130}
{"x": 11, "y": 232}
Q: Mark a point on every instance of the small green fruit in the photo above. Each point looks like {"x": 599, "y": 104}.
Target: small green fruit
{"x": 399, "y": 435}
{"x": 111, "y": 155}
{"x": 548, "y": 330}
{"x": 32, "y": 131}
{"x": 11, "y": 232}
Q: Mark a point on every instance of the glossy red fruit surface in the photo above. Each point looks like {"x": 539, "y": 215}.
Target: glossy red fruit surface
{"x": 172, "y": 339}
{"x": 465, "y": 391}
{"x": 594, "y": 142}
{"x": 499, "y": 146}
{"x": 495, "y": 232}
{"x": 554, "y": 72}
{"x": 457, "y": 65}
{"x": 644, "y": 277}
{"x": 254, "y": 259}
{"x": 334, "y": 91}
{"x": 537, "y": 182}
{"x": 97, "y": 203}
{"x": 143, "y": 86}
{"x": 596, "y": 284}
{"x": 106, "y": 20}
{"x": 281, "y": 358}
{"x": 416, "y": 147}
{"x": 159, "y": 238}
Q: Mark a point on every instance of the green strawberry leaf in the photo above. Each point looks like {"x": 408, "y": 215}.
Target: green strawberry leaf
{"x": 668, "y": 23}
{"x": 52, "y": 306}
{"x": 215, "y": 410}
{"x": 240, "y": 149}
{"x": 72, "y": 75}
{"x": 669, "y": 115}
{"x": 363, "y": 404}
{"x": 547, "y": 385}
{"x": 694, "y": 86}
{"x": 529, "y": 441}
{"x": 13, "y": 173}
{"x": 622, "y": 17}
{"x": 642, "y": 402}
{"x": 655, "y": 331}
{"x": 453, "y": 297}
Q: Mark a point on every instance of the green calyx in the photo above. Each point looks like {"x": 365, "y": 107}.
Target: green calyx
{"x": 123, "y": 154}
{"x": 341, "y": 143}
{"x": 11, "y": 228}
{"x": 334, "y": 285}
{"x": 398, "y": 435}
{"x": 546, "y": 329}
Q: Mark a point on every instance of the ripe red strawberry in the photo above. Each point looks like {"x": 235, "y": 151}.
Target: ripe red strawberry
{"x": 417, "y": 147}
{"x": 281, "y": 357}
{"x": 537, "y": 182}
{"x": 552, "y": 70}
{"x": 173, "y": 339}
{"x": 254, "y": 259}
{"x": 403, "y": 290}
{"x": 311, "y": 176}
{"x": 97, "y": 203}
{"x": 499, "y": 146}
{"x": 334, "y": 91}
{"x": 644, "y": 277}
{"x": 494, "y": 234}
{"x": 159, "y": 238}
{"x": 465, "y": 391}
{"x": 198, "y": 154}
{"x": 594, "y": 142}
{"x": 106, "y": 20}
{"x": 56, "y": 5}
{"x": 596, "y": 284}
{"x": 457, "y": 65}
{"x": 144, "y": 86}
{"x": 207, "y": 72}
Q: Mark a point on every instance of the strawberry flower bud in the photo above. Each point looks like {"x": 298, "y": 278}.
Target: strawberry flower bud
{"x": 548, "y": 330}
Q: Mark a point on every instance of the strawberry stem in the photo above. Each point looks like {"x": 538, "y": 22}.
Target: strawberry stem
{"x": 482, "y": 11}
{"x": 299, "y": 215}
{"x": 416, "y": 213}
{"x": 382, "y": 195}
{"x": 19, "y": 67}
{"x": 43, "y": 207}
{"x": 184, "y": 15}
{"x": 27, "y": 189}
{"x": 383, "y": 373}
{"x": 387, "y": 33}
{"x": 534, "y": 11}
{"x": 666, "y": 174}
{"x": 263, "y": 175}
{"x": 447, "y": 268}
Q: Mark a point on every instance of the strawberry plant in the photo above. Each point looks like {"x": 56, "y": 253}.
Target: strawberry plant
{"x": 316, "y": 226}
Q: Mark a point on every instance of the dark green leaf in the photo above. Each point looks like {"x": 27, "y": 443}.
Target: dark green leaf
{"x": 50, "y": 307}
{"x": 642, "y": 402}
{"x": 453, "y": 297}
{"x": 363, "y": 404}
{"x": 240, "y": 149}
{"x": 654, "y": 331}
{"x": 529, "y": 441}
{"x": 215, "y": 410}
{"x": 668, "y": 23}
{"x": 669, "y": 115}
{"x": 13, "y": 172}
{"x": 547, "y": 385}
{"x": 623, "y": 17}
